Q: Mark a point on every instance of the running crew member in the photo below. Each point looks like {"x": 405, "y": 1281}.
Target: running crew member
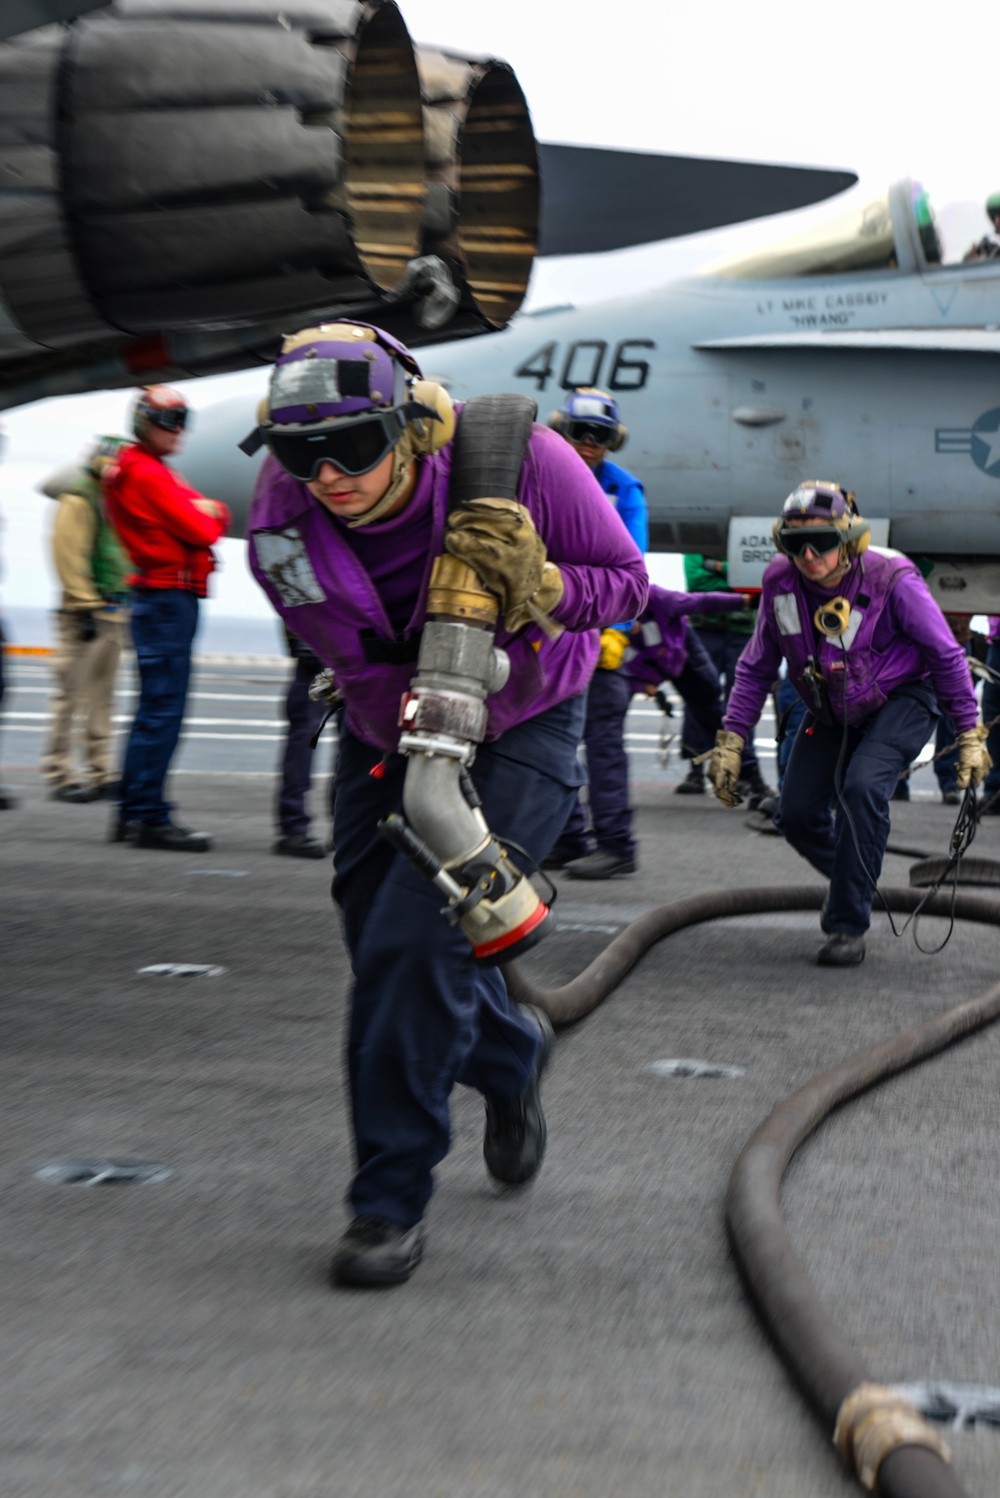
{"x": 348, "y": 517}
{"x": 868, "y": 650}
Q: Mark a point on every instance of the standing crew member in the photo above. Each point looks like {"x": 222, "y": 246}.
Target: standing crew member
{"x": 590, "y": 423}
{"x": 167, "y": 528}
{"x": 867, "y": 650}
{"x": 90, "y": 627}
{"x": 348, "y": 517}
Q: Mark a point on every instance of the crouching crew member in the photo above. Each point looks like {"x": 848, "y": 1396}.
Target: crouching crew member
{"x": 868, "y": 650}
{"x": 663, "y": 646}
{"x": 349, "y": 514}
{"x": 606, "y": 846}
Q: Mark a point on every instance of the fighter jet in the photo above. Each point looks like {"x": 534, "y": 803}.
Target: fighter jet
{"x": 854, "y": 351}
{"x": 182, "y": 180}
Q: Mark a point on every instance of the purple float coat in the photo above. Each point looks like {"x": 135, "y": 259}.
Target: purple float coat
{"x": 897, "y": 634}
{"x": 659, "y": 651}
{"x": 305, "y": 560}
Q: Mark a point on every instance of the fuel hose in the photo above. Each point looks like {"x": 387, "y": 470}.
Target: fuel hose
{"x": 891, "y": 1450}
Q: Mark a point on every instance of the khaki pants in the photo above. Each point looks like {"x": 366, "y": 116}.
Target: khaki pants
{"x": 84, "y": 688}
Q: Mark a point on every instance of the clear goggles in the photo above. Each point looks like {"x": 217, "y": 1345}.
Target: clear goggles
{"x": 598, "y": 433}
{"x": 819, "y": 539}
{"x": 354, "y": 446}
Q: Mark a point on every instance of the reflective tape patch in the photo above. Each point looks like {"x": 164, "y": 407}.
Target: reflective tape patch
{"x": 853, "y": 625}
{"x": 282, "y": 555}
{"x": 786, "y": 613}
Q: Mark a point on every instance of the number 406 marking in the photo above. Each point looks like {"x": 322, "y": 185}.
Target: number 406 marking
{"x": 583, "y": 364}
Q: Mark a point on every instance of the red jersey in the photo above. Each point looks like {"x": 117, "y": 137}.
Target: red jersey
{"x": 168, "y": 539}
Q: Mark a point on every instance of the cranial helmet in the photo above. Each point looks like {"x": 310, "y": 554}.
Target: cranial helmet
{"x": 348, "y": 394}
{"x": 159, "y": 406}
{"x": 594, "y": 409}
{"x": 817, "y": 500}
{"x": 103, "y": 453}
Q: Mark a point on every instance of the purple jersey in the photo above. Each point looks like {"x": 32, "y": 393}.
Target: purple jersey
{"x": 357, "y": 597}
{"x": 896, "y": 634}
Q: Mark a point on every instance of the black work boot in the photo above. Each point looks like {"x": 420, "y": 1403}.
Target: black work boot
{"x": 374, "y": 1252}
{"x": 514, "y": 1142}
{"x": 601, "y": 864}
{"x": 75, "y": 794}
{"x": 299, "y": 845}
{"x": 754, "y": 789}
{"x": 840, "y": 950}
{"x": 169, "y": 835}
{"x": 693, "y": 783}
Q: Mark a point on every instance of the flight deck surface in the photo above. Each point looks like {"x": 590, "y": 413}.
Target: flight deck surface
{"x": 588, "y": 1336}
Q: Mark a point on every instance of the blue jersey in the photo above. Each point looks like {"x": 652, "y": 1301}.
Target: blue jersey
{"x": 626, "y": 494}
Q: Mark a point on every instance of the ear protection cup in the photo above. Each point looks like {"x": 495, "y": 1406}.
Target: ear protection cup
{"x": 431, "y": 436}
{"x": 776, "y": 537}
{"x": 557, "y": 421}
{"x": 858, "y": 537}
{"x": 619, "y": 440}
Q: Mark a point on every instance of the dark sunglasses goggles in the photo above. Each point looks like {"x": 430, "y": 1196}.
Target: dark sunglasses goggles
{"x": 352, "y": 447}
{"x": 819, "y": 539}
{"x": 597, "y": 432}
{"x": 173, "y": 419}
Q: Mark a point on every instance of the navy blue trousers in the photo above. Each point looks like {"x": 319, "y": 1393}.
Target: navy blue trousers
{"x": 164, "y": 621}
{"x": 699, "y": 688}
{"x": 991, "y": 710}
{"x": 423, "y": 1015}
{"x": 723, "y": 649}
{"x": 610, "y": 820}
{"x": 304, "y": 718}
{"x": 848, "y": 849}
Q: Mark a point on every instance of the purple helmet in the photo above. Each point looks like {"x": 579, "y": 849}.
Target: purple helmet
{"x": 334, "y": 371}
{"x": 830, "y": 503}
{"x": 340, "y": 392}
{"x": 816, "y": 500}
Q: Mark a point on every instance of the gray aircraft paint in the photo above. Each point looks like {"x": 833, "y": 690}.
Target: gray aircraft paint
{"x": 734, "y": 390}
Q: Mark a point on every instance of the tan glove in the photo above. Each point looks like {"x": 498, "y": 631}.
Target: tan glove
{"x": 724, "y": 767}
{"x": 974, "y": 764}
{"x": 497, "y": 538}
{"x": 613, "y": 643}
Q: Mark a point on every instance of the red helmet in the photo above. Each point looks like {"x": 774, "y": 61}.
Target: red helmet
{"x": 159, "y": 406}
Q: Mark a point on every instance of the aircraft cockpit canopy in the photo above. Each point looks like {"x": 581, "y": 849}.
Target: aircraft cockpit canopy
{"x": 896, "y": 231}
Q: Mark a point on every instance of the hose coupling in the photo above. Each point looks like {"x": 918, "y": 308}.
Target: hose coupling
{"x": 872, "y": 1422}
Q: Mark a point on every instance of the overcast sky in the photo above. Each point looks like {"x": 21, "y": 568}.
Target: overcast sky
{"x": 883, "y": 91}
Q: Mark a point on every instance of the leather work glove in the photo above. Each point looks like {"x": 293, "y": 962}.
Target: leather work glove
{"x": 613, "y": 643}
{"x": 974, "y": 764}
{"x": 497, "y": 538}
{"x": 86, "y": 628}
{"x": 724, "y": 767}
